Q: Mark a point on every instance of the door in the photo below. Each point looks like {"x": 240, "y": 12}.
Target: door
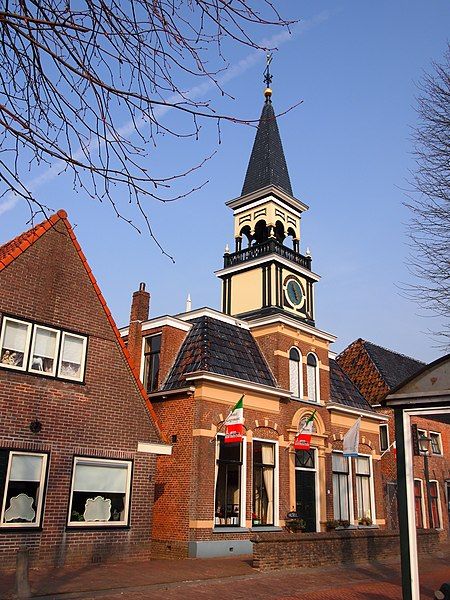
{"x": 305, "y": 487}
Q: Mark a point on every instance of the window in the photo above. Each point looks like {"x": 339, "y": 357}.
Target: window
{"x": 363, "y": 499}
{"x": 229, "y": 470}
{"x": 341, "y": 497}
{"x": 384, "y": 438}
{"x": 14, "y": 343}
{"x": 312, "y": 376}
{"x": 152, "y": 348}
{"x": 263, "y": 512}
{"x": 434, "y": 497}
{"x": 22, "y": 477}
{"x": 100, "y": 494}
{"x": 436, "y": 446}
{"x": 295, "y": 373}
{"x": 418, "y": 503}
{"x": 41, "y": 355}
{"x": 43, "y": 350}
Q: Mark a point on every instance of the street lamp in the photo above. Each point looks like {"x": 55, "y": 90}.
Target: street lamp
{"x": 424, "y": 446}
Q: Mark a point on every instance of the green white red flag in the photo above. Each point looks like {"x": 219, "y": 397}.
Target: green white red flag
{"x": 234, "y": 423}
{"x": 302, "y": 440}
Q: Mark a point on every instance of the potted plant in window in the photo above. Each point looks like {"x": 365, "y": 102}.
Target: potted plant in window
{"x": 295, "y": 523}
{"x": 365, "y": 522}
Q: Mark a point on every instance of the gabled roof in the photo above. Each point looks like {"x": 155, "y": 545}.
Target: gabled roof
{"x": 218, "y": 347}
{"x": 267, "y": 165}
{"x": 392, "y": 366}
{"x": 344, "y": 391}
{"x": 15, "y": 247}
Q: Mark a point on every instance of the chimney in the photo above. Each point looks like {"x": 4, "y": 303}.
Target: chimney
{"x": 139, "y": 312}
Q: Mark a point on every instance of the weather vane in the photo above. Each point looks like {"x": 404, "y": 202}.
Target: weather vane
{"x": 267, "y": 75}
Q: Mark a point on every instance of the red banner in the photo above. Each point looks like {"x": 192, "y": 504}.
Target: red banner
{"x": 302, "y": 441}
{"x": 234, "y": 433}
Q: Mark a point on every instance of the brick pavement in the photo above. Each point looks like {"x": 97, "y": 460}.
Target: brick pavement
{"x": 233, "y": 577}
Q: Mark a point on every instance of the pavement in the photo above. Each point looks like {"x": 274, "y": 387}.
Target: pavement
{"x": 234, "y": 578}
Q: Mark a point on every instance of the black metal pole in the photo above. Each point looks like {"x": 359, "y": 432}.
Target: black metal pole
{"x": 402, "y": 506}
{"x": 427, "y": 483}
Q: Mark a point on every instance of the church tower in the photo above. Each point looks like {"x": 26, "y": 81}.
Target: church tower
{"x": 267, "y": 274}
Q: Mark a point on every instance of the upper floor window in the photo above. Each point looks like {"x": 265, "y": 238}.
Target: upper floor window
{"x": 312, "y": 375}
{"x": 152, "y": 349}
{"x": 295, "y": 372}
{"x": 436, "y": 446}
{"x": 47, "y": 351}
{"x": 384, "y": 438}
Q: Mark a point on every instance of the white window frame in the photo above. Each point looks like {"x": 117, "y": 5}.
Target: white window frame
{"x": 243, "y": 494}
{"x": 439, "y": 507}
{"x": 317, "y": 378}
{"x": 371, "y": 489}
{"x": 384, "y": 425}
{"x": 439, "y": 438}
{"x": 105, "y": 524}
{"x": 40, "y": 499}
{"x": 26, "y": 352}
{"x": 83, "y": 357}
{"x": 276, "y": 480}
{"x": 36, "y": 326}
{"x": 351, "y": 509}
{"x": 300, "y": 372}
{"x": 422, "y": 502}
{"x": 316, "y": 482}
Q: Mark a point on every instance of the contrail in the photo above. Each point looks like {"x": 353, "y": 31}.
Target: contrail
{"x": 197, "y": 91}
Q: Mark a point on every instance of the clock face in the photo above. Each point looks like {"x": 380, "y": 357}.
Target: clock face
{"x": 294, "y": 293}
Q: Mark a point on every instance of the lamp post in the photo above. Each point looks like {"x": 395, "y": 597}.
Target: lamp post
{"x": 424, "y": 445}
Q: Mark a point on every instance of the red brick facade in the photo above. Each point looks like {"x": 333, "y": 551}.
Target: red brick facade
{"x": 47, "y": 281}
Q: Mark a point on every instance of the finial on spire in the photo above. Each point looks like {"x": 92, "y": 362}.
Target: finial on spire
{"x": 268, "y": 77}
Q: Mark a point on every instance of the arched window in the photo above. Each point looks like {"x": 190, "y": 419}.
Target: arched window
{"x": 312, "y": 377}
{"x": 295, "y": 372}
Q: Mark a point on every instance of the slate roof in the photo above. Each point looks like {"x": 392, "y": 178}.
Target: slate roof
{"x": 222, "y": 348}
{"x": 267, "y": 165}
{"x": 392, "y": 366}
{"x": 344, "y": 391}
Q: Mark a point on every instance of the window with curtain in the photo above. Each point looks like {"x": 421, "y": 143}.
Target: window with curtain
{"x": 152, "y": 349}
{"x": 71, "y": 361}
{"x": 228, "y": 484}
{"x": 295, "y": 372}
{"x": 312, "y": 375}
{"x": 100, "y": 492}
{"x": 418, "y": 503}
{"x": 14, "y": 343}
{"x": 434, "y": 497}
{"x": 263, "y": 483}
{"x": 22, "y": 476}
{"x": 341, "y": 496}
{"x": 362, "y": 475}
{"x": 44, "y": 349}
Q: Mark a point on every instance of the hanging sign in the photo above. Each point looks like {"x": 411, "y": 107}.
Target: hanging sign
{"x": 302, "y": 441}
{"x": 234, "y": 433}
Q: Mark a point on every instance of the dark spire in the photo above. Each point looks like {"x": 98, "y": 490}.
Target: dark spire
{"x": 267, "y": 165}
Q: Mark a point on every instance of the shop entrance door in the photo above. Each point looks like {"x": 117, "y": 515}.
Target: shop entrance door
{"x": 305, "y": 487}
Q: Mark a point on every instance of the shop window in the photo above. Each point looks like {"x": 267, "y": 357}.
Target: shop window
{"x": 418, "y": 503}
{"x": 22, "y": 477}
{"x": 263, "y": 483}
{"x": 341, "y": 496}
{"x": 363, "y": 498}
{"x": 14, "y": 343}
{"x": 44, "y": 349}
{"x": 152, "y": 349}
{"x": 229, "y": 474}
{"x": 436, "y": 445}
{"x": 434, "y": 498}
{"x": 384, "y": 438}
{"x": 295, "y": 372}
{"x": 100, "y": 494}
{"x": 312, "y": 376}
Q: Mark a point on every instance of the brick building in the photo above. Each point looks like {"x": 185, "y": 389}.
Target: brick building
{"x": 376, "y": 371}
{"x": 211, "y": 497}
{"x": 79, "y": 435}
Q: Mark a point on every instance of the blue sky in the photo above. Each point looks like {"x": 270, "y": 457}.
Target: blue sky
{"x": 347, "y": 146}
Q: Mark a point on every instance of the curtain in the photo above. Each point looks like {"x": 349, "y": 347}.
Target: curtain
{"x": 111, "y": 479}
{"x": 15, "y": 336}
{"x": 25, "y": 468}
{"x": 72, "y": 349}
{"x": 268, "y": 459}
{"x": 45, "y": 343}
{"x": 311, "y": 378}
{"x": 294, "y": 377}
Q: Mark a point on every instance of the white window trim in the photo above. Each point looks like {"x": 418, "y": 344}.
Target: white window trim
{"x": 83, "y": 356}
{"x": 106, "y": 524}
{"x": 316, "y": 483}
{"x": 26, "y": 352}
{"x": 276, "y": 478}
{"x": 39, "y": 504}
{"x": 439, "y": 507}
{"x": 371, "y": 488}
{"x": 422, "y": 503}
{"x": 243, "y": 496}
{"x": 440, "y": 453}
{"x": 351, "y": 508}
{"x": 317, "y": 382}
{"x": 300, "y": 367}
{"x": 387, "y": 436}
{"x": 57, "y": 349}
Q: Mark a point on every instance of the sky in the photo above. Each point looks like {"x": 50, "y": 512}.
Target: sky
{"x": 354, "y": 64}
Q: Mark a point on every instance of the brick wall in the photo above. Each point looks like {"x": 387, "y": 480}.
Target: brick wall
{"x": 106, "y": 416}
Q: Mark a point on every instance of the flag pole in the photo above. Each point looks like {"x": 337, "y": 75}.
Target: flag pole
{"x": 387, "y": 449}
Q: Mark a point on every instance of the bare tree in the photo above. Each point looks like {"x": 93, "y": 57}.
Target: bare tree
{"x": 83, "y": 84}
{"x": 429, "y": 229}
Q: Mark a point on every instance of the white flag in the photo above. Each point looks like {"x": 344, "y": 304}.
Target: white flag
{"x": 351, "y": 439}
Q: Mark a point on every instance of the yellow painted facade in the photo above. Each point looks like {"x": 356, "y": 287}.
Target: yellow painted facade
{"x": 246, "y": 291}
{"x": 271, "y": 212}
